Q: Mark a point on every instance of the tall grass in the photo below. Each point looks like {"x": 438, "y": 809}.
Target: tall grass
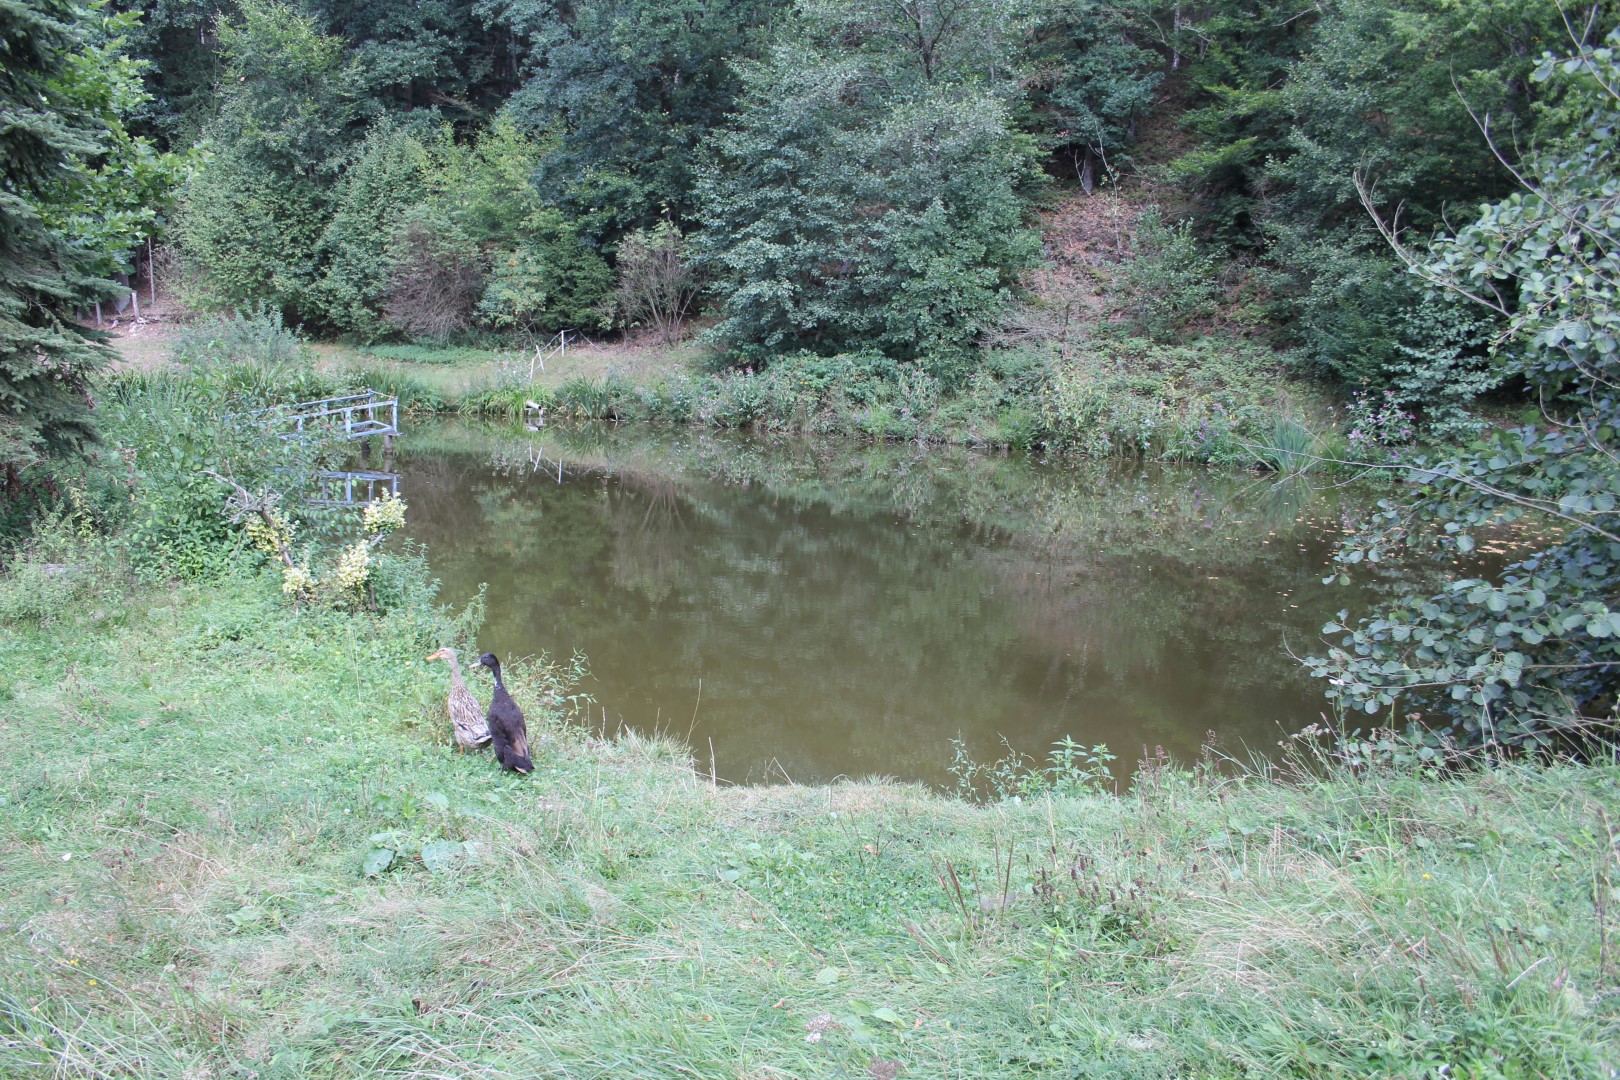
{"x": 416, "y": 395}
{"x": 590, "y": 399}
{"x": 1287, "y": 447}
{"x": 506, "y": 402}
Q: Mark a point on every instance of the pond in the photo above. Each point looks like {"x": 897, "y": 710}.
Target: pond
{"x": 809, "y": 610}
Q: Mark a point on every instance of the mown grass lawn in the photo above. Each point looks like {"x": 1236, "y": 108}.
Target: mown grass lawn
{"x": 197, "y": 774}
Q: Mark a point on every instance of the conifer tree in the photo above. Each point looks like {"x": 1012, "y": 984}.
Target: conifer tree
{"x": 46, "y": 358}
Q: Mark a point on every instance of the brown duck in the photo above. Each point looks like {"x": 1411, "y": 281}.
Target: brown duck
{"x": 467, "y": 723}
{"x": 507, "y": 730}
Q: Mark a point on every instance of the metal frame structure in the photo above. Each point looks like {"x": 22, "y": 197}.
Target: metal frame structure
{"x": 371, "y": 482}
{"x": 357, "y": 411}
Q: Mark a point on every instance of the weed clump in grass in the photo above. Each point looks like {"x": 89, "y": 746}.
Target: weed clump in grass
{"x": 255, "y": 337}
{"x": 438, "y": 355}
{"x": 48, "y": 571}
{"x": 1070, "y": 769}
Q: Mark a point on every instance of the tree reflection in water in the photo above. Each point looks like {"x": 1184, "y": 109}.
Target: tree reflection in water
{"x": 849, "y": 609}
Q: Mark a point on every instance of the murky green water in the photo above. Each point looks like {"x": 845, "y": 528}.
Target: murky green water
{"x": 815, "y": 610}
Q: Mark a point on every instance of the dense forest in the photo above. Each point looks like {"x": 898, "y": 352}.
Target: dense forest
{"x": 1106, "y": 226}
{"x": 825, "y": 177}
{"x": 836, "y": 177}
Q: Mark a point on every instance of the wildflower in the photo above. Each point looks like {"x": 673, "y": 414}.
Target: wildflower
{"x": 384, "y": 515}
{"x": 297, "y": 581}
{"x": 353, "y": 569}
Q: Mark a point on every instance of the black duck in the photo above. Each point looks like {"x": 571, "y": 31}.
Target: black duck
{"x": 507, "y": 730}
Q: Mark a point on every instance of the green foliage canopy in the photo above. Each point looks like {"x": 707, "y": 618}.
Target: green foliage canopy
{"x": 1512, "y": 658}
{"x": 867, "y": 198}
{"x": 633, "y": 88}
{"x": 1090, "y": 81}
{"x": 1294, "y": 105}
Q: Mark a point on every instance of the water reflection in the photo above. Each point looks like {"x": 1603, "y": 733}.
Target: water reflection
{"x": 818, "y": 610}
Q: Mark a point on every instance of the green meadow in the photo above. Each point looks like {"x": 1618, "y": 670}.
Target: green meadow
{"x": 236, "y": 841}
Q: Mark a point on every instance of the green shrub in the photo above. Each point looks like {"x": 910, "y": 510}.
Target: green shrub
{"x": 170, "y": 430}
{"x": 674, "y": 401}
{"x": 1365, "y": 325}
{"x": 1207, "y": 400}
{"x": 248, "y": 386}
{"x": 256, "y": 335}
{"x": 1348, "y": 313}
{"x": 858, "y": 378}
{"x": 1171, "y": 280}
{"x": 1017, "y": 428}
{"x": 402, "y": 580}
{"x": 1441, "y": 368}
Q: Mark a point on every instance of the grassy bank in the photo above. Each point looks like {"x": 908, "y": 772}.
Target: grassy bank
{"x": 1227, "y": 401}
{"x": 199, "y": 773}
{"x": 1221, "y": 398}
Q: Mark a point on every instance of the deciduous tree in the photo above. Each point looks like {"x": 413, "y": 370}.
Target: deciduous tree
{"x": 1519, "y": 656}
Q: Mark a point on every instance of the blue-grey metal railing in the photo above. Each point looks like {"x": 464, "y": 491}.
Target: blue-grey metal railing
{"x": 358, "y": 415}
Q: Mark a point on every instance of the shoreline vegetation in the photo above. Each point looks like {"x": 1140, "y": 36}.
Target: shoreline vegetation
{"x": 237, "y": 842}
{"x": 1215, "y": 401}
{"x": 203, "y": 776}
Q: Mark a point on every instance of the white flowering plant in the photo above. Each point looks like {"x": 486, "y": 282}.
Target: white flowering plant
{"x": 270, "y": 529}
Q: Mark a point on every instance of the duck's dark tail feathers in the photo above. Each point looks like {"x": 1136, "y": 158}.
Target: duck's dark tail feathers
{"x": 517, "y": 755}
{"x": 513, "y": 755}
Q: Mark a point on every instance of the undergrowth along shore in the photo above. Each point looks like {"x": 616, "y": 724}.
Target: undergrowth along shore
{"x": 199, "y": 773}
{"x": 1221, "y": 399}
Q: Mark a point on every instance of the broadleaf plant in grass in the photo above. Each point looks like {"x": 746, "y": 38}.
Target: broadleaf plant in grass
{"x": 1520, "y": 656}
